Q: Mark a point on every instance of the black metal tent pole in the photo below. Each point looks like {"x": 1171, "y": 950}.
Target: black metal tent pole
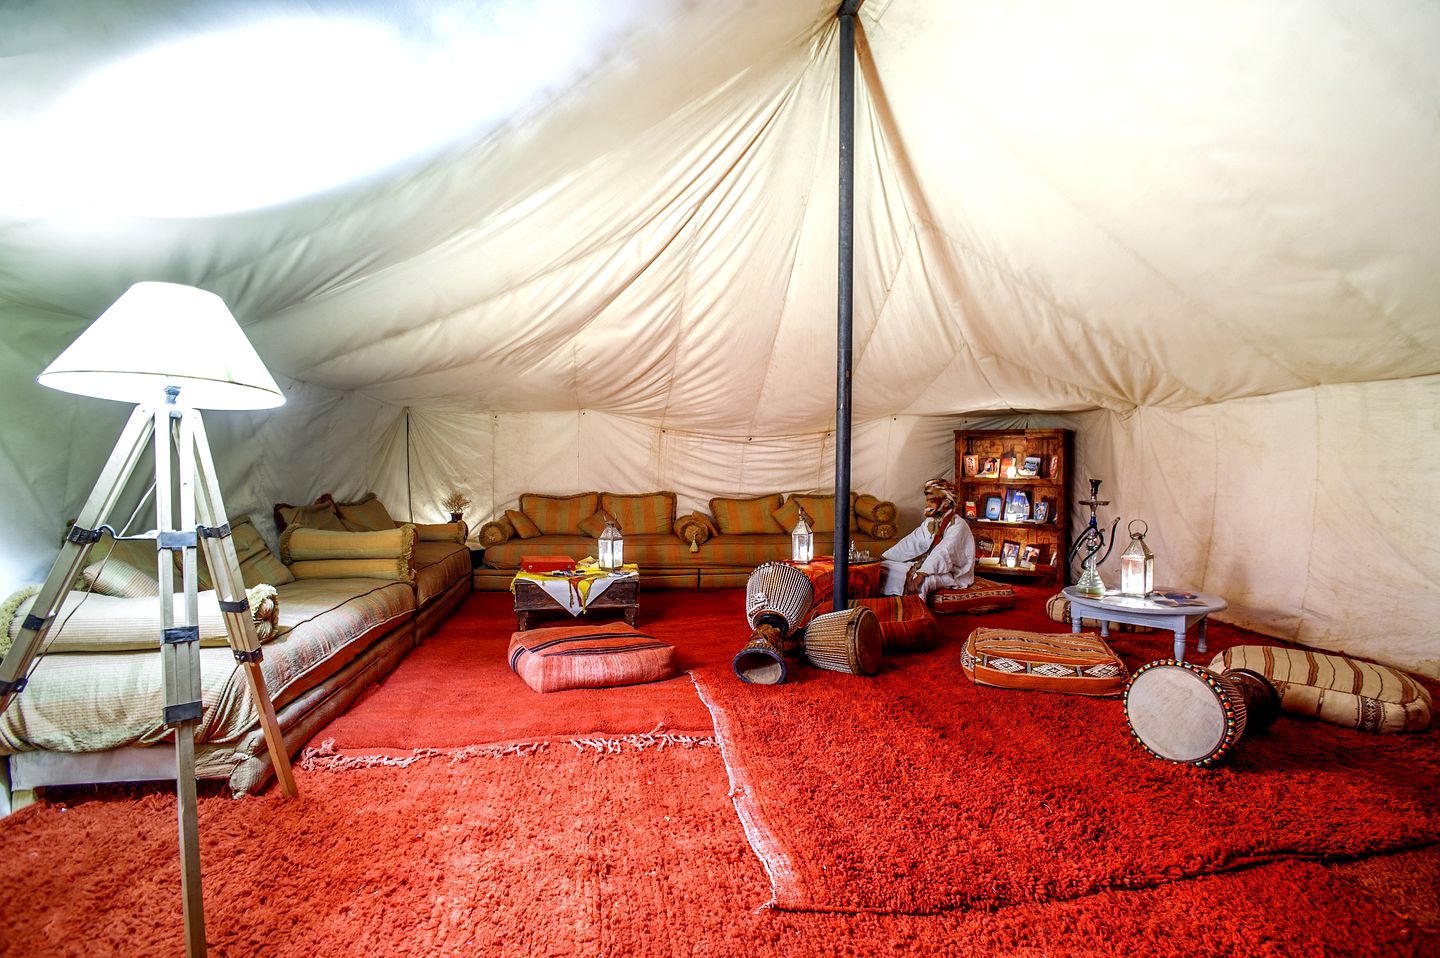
{"x": 845, "y": 312}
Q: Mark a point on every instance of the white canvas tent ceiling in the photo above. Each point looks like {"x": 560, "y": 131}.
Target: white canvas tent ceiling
{"x": 1205, "y": 238}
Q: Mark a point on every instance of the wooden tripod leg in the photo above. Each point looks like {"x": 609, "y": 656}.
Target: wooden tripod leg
{"x": 239, "y": 623}
{"x": 118, "y": 469}
{"x": 180, "y": 659}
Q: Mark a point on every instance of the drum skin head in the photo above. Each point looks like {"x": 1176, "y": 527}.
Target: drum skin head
{"x": 1176, "y": 714}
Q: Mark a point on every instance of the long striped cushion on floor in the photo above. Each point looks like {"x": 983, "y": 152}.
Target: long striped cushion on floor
{"x": 906, "y": 624}
{"x": 980, "y": 596}
{"x": 1081, "y": 664}
{"x": 589, "y": 657}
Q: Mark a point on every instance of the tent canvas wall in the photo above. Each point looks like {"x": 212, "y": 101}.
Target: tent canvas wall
{"x": 592, "y": 247}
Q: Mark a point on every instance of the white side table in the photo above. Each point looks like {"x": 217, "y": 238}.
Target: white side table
{"x": 1177, "y": 618}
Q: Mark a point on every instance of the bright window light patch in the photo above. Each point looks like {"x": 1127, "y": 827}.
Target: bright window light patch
{"x": 259, "y": 115}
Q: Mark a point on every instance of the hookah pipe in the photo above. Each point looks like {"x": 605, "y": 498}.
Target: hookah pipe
{"x": 1093, "y": 540}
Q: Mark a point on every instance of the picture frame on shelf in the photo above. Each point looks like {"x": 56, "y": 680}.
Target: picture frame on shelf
{"x": 1017, "y": 505}
{"x": 972, "y": 465}
{"x": 1009, "y": 552}
{"x": 989, "y": 468}
{"x": 994, "y": 507}
{"x": 1007, "y": 466}
{"x": 1029, "y": 468}
{"x": 1042, "y": 510}
{"x": 970, "y": 511}
{"x": 1054, "y": 468}
{"x": 1030, "y": 555}
{"x": 984, "y": 546}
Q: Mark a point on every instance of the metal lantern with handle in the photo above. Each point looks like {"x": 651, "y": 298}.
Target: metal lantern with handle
{"x": 802, "y": 540}
{"x": 1137, "y": 563}
{"x": 612, "y": 546}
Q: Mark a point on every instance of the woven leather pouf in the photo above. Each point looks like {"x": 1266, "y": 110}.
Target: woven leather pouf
{"x": 1080, "y": 664}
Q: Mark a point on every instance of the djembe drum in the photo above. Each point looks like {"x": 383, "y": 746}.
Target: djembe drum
{"x": 846, "y": 641}
{"x": 777, "y": 599}
{"x": 1184, "y": 713}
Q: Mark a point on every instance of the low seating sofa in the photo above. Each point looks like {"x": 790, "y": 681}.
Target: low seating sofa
{"x": 340, "y": 621}
{"x": 718, "y": 549}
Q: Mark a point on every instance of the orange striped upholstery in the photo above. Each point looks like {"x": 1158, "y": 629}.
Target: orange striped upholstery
{"x": 589, "y": 657}
{"x": 559, "y": 514}
{"x": 906, "y": 624}
{"x": 652, "y": 512}
{"x": 982, "y": 595}
{"x": 747, "y": 516}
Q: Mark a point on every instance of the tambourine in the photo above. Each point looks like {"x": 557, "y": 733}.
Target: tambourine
{"x": 1184, "y": 713}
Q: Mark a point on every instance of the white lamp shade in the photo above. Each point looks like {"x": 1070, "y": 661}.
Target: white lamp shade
{"x": 164, "y": 334}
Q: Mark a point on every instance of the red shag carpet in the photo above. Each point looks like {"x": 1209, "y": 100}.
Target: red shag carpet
{"x": 917, "y": 791}
{"x": 572, "y": 853}
{"x": 457, "y": 689}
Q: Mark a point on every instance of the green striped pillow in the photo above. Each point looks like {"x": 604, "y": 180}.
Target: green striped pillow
{"x": 650, "y": 513}
{"x": 559, "y": 514}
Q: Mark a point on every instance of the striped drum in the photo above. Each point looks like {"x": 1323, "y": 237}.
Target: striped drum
{"x": 779, "y": 594}
{"x": 847, "y": 641}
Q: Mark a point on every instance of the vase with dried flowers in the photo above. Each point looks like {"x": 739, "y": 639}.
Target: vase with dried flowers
{"x": 456, "y": 503}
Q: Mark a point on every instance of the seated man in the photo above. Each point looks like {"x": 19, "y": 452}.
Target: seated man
{"x": 939, "y": 554}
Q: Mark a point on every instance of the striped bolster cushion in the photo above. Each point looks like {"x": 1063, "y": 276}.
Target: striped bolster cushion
{"x": 589, "y": 657}
{"x": 906, "y": 624}
{"x": 1336, "y": 689}
{"x": 1081, "y": 664}
{"x": 747, "y": 516}
{"x": 1057, "y": 607}
{"x": 320, "y": 554}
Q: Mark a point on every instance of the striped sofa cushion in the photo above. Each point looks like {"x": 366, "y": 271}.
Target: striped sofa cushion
{"x": 559, "y": 514}
{"x": 747, "y": 516}
{"x": 589, "y": 657}
{"x": 649, "y": 513}
{"x": 1336, "y": 689}
{"x": 1080, "y": 664}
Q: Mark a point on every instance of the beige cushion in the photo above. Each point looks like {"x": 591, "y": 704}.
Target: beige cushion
{"x": 1336, "y": 689}
{"x": 497, "y": 532}
{"x": 117, "y": 578}
{"x": 91, "y": 622}
{"x": 257, "y": 563}
{"x": 367, "y": 515}
{"x": 747, "y": 516}
{"x": 323, "y": 554}
{"x": 441, "y": 531}
{"x": 319, "y": 515}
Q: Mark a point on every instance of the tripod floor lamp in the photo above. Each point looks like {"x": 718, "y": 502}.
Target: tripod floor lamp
{"x": 174, "y": 350}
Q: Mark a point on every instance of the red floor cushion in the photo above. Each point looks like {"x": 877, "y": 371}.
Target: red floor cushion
{"x": 589, "y": 657}
{"x": 906, "y": 624}
{"x": 1080, "y": 663}
{"x": 982, "y": 595}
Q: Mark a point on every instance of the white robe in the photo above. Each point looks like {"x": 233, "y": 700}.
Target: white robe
{"x": 950, "y": 565}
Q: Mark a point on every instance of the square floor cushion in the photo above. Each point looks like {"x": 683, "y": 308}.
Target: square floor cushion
{"x": 589, "y": 657}
{"x": 1334, "y": 688}
{"x": 1080, "y": 663}
{"x": 982, "y": 595}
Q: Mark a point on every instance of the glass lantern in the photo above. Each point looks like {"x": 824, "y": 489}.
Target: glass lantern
{"x": 802, "y": 541}
{"x": 612, "y": 546}
{"x": 1137, "y": 563}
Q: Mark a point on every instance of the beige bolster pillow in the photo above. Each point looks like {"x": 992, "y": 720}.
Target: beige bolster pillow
{"x": 321, "y": 554}
{"x": 91, "y": 622}
{"x": 875, "y": 509}
{"x": 441, "y": 532}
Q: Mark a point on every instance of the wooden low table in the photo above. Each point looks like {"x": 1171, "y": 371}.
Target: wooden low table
{"x": 530, "y": 596}
{"x": 1114, "y": 607}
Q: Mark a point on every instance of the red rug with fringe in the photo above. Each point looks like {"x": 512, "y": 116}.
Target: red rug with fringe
{"x": 917, "y": 791}
{"x": 457, "y": 689}
{"x": 561, "y": 853}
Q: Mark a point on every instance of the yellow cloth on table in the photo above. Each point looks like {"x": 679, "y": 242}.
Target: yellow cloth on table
{"x": 574, "y": 591}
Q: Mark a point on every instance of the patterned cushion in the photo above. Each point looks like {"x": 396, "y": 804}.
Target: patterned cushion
{"x": 589, "y": 657}
{"x": 906, "y": 624}
{"x": 1081, "y": 664}
{"x": 1336, "y": 689}
{"x": 693, "y": 530}
{"x": 558, "y": 514}
{"x": 367, "y": 515}
{"x": 522, "y": 524}
{"x": 652, "y": 512}
{"x": 117, "y": 578}
{"x": 747, "y": 516}
{"x": 981, "y": 596}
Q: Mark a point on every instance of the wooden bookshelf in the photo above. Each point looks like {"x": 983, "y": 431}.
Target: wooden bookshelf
{"x": 1033, "y": 513}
